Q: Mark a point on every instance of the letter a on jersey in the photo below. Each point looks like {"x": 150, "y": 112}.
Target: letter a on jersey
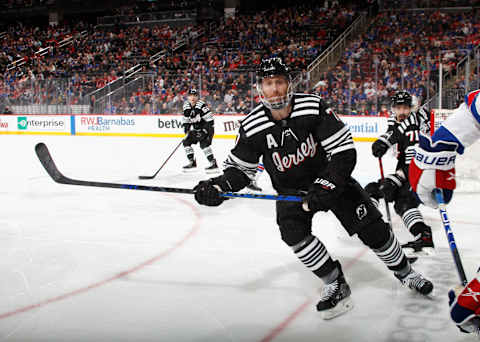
{"x": 271, "y": 141}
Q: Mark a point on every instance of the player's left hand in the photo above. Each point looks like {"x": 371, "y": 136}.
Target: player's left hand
{"x": 389, "y": 187}
{"x": 379, "y": 148}
{"x": 208, "y": 193}
{"x": 464, "y": 305}
{"x": 321, "y": 194}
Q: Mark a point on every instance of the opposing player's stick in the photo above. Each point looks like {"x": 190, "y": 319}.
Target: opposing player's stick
{"x": 442, "y": 207}
{"x": 387, "y": 207}
{"x": 156, "y": 173}
{"x": 49, "y": 165}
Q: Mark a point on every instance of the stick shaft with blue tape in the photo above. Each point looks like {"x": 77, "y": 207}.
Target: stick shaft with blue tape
{"x": 451, "y": 240}
{"x": 49, "y": 165}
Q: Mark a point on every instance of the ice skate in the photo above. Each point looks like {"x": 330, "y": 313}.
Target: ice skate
{"x": 191, "y": 166}
{"x": 421, "y": 246}
{"x": 335, "y": 299}
{"x": 417, "y": 282}
{"x": 213, "y": 168}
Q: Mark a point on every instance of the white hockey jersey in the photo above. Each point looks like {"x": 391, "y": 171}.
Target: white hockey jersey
{"x": 463, "y": 126}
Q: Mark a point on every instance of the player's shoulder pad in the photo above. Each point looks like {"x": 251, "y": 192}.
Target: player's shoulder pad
{"x": 472, "y": 100}
{"x": 256, "y": 121}
{"x": 423, "y": 114}
{"x": 307, "y": 104}
{"x": 200, "y": 104}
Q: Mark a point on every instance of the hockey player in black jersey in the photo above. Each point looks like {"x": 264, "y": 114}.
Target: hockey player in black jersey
{"x": 198, "y": 126}
{"x": 403, "y": 130}
{"x": 307, "y": 149}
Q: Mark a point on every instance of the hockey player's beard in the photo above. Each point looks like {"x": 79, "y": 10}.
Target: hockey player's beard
{"x": 401, "y": 117}
{"x": 277, "y": 102}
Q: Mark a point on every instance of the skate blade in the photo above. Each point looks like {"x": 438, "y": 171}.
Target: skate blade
{"x": 342, "y": 307}
{"x": 212, "y": 171}
{"x": 426, "y": 251}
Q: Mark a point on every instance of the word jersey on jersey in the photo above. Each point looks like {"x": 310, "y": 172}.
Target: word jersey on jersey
{"x": 197, "y": 115}
{"x": 295, "y": 150}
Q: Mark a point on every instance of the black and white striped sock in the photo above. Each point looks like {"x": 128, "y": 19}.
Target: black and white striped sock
{"x": 411, "y": 217}
{"x": 189, "y": 152}
{"x": 208, "y": 152}
{"x": 314, "y": 255}
{"x": 392, "y": 254}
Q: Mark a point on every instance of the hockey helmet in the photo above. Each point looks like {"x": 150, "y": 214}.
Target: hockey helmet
{"x": 401, "y": 105}
{"x": 270, "y": 67}
{"x": 402, "y": 97}
{"x": 193, "y": 91}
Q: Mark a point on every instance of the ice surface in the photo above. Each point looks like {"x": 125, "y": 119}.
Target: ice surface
{"x": 92, "y": 264}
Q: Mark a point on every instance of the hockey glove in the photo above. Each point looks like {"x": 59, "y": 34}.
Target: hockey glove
{"x": 389, "y": 186}
{"x": 380, "y": 147}
{"x": 321, "y": 195}
{"x": 433, "y": 166}
{"x": 208, "y": 192}
{"x": 464, "y": 305}
{"x": 373, "y": 190}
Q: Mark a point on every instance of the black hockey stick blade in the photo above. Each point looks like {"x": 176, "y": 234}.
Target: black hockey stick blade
{"x": 146, "y": 177}
{"x": 46, "y": 159}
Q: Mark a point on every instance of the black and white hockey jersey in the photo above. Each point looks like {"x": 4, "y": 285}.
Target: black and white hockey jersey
{"x": 197, "y": 117}
{"x": 311, "y": 142}
{"x": 405, "y": 135}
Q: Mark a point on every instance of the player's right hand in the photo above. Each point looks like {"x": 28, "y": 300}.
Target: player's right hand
{"x": 321, "y": 196}
{"x": 208, "y": 193}
{"x": 379, "y": 148}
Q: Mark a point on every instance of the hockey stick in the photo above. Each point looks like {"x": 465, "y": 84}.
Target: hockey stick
{"x": 442, "y": 207}
{"x": 387, "y": 207}
{"x": 46, "y": 159}
{"x": 156, "y": 173}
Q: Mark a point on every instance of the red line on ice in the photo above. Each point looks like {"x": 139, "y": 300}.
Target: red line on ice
{"x": 148, "y": 262}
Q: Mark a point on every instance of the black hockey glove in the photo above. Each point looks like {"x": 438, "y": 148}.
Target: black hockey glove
{"x": 389, "y": 186}
{"x": 208, "y": 192}
{"x": 321, "y": 195}
{"x": 373, "y": 190}
{"x": 379, "y": 148}
{"x": 199, "y": 134}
